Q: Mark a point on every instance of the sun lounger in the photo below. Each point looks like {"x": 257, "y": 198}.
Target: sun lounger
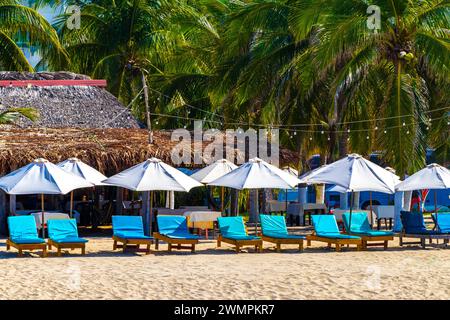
{"x": 23, "y": 235}
{"x": 233, "y": 231}
{"x": 442, "y": 222}
{"x": 129, "y": 230}
{"x": 361, "y": 228}
{"x": 274, "y": 230}
{"x": 174, "y": 231}
{"x": 414, "y": 227}
{"x": 327, "y": 230}
{"x": 63, "y": 234}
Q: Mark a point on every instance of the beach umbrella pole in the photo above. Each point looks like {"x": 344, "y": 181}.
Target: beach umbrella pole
{"x": 435, "y": 205}
{"x": 222, "y": 198}
{"x": 42, "y": 215}
{"x": 351, "y": 209}
{"x": 370, "y": 206}
{"x": 71, "y": 204}
{"x": 151, "y": 213}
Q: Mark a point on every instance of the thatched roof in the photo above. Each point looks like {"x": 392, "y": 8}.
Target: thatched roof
{"x": 64, "y": 106}
{"x": 109, "y": 150}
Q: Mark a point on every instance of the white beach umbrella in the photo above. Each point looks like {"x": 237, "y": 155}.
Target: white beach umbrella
{"x": 41, "y": 177}
{"x": 354, "y": 174}
{"x": 433, "y": 176}
{"x": 81, "y": 169}
{"x": 257, "y": 174}
{"x": 153, "y": 175}
{"x": 214, "y": 171}
{"x": 292, "y": 172}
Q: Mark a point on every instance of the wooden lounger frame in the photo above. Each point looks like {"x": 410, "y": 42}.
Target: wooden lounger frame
{"x": 376, "y": 241}
{"x": 422, "y": 238}
{"x": 131, "y": 242}
{"x": 27, "y": 246}
{"x": 257, "y": 243}
{"x": 67, "y": 245}
{"x": 279, "y": 241}
{"x": 338, "y": 242}
{"x": 179, "y": 244}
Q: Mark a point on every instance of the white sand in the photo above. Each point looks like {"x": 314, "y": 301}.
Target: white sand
{"x": 317, "y": 273}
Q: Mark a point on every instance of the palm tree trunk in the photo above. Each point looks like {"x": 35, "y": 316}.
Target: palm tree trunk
{"x": 147, "y": 109}
{"x": 331, "y": 145}
{"x": 343, "y": 144}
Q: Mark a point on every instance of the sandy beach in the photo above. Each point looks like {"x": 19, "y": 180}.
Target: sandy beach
{"x": 317, "y": 273}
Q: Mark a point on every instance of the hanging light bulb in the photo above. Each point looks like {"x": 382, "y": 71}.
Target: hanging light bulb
{"x": 295, "y": 133}
{"x": 376, "y": 128}
{"x": 404, "y": 124}
{"x": 310, "y": 138}
{"x": 348, "y": 130}
{"x": 367, "y": 137}
{"x": 322, "y": 132}
{"x": 384, "y": 131}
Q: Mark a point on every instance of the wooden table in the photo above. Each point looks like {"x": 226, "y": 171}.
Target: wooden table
{"x": 202, "y": 216}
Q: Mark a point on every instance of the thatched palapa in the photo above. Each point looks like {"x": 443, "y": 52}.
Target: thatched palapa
{"x": 109, "y": 150}
{"x": 81, "y": 106}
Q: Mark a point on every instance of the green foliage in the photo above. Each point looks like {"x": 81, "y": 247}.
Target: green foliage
{"x": 273, "y": 63}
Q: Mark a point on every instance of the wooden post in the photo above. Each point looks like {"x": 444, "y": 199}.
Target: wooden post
{"x": 119, "y": 200}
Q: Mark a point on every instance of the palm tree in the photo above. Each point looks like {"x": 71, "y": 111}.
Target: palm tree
{"x": 317, "y": 62}
{"x": 121, "y": 41}
{"x": 11, "y": 115}
{"x": 391, "y": 74}
{"x": 20, "y": 27}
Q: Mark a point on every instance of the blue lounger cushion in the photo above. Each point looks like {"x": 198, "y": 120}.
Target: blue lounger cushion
{"x": 64, "y": 231}
{"x": 233, "y": 228}
{"x": 23, "y": 230}
{"x": 326, "y": 226}
{"x": 361, "y": 225}
{"x": 442, "y": 221}
{"x": 413, "y": 223}
{"x": 175, "y": 227}
{"x": 128, "y": 227}
{"x": 275, "y": 227}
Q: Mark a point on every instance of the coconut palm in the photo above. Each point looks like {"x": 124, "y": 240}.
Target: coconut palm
{"x": 319, "y": 59}
{"x": 23, "y": 27}
{"x": 390, "y": 73}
